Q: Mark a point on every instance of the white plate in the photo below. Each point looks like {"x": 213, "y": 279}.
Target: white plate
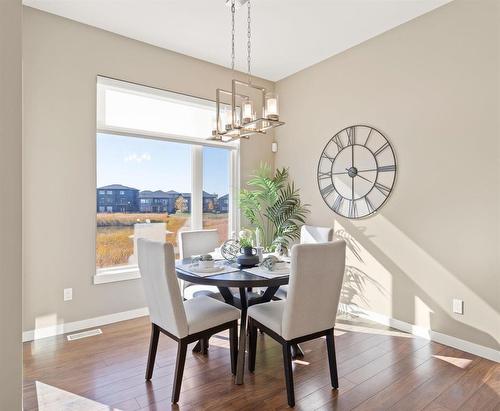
{"x": 215, "y": 269}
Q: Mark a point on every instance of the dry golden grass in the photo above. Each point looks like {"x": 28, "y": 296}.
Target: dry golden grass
{"x": 217, "y": 221}
{"x": 113, "y": 243}
{"x": 126, "y": 219}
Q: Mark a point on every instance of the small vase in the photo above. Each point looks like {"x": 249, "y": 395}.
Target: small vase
{"x": 249, "y": 258}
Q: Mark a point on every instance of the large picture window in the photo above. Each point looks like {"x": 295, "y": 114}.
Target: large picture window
{"x": 156, "y": 173}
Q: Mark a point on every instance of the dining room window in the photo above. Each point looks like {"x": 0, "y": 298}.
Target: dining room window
{"x": 216, "y": 177}
{"x": 159, "y": 172}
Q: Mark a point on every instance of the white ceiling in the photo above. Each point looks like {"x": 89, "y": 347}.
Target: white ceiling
{"x": 288, "y": 35}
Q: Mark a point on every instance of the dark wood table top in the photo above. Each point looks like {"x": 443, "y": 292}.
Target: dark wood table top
{"x": 239, "y": 278}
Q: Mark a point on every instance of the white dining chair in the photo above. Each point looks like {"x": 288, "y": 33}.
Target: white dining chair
{"x": 197, "y": 242}
{"x": 309, "y": 312}
{"x": 183, "y": 321}
{"x": 309, "y": 234}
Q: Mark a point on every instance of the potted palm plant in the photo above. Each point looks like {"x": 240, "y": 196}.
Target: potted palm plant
{"x": 273, "y": 207}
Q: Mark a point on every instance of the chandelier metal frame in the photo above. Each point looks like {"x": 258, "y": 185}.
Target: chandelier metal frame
{"x": 241, "y": 120}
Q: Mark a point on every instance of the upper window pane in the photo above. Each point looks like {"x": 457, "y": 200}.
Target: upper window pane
{"x": 129, "y": 106}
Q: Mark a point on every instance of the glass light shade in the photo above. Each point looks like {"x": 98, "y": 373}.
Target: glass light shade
{"x": 248, "y": 112}
{"x": 237, "y": 120}
{"x": 226, "y": 119}
{"x": 271, "y": 107}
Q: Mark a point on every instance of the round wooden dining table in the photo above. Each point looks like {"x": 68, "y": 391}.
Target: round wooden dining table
{"x": 244, "y": 282}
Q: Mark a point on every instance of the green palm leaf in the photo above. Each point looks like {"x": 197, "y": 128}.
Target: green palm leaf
{"x": 273, "y": 205}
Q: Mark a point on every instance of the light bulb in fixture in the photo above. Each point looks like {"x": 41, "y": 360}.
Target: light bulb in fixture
{"x": 248, "y": 112}
{"x": 227, "y": 121}
{"x": 271, "y": 106}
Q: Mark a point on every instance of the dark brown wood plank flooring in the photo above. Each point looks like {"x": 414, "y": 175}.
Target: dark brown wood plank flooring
{"x": 379, "y": 369}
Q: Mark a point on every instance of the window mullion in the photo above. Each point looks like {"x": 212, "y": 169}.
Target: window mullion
{"x": 196, "y": 187}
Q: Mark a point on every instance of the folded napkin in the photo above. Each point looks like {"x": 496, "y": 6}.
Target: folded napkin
{"x": 264, "y": 272}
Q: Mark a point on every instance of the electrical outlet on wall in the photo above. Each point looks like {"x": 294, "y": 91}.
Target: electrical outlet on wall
{"x": 458, "y": 306}
{"x": 68, "y": 294}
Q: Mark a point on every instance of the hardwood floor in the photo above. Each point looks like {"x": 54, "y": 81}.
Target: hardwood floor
{"x": 379, "y": 369}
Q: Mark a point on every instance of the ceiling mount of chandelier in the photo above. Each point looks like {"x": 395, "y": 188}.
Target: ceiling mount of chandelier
{"x": 247, "y": 108}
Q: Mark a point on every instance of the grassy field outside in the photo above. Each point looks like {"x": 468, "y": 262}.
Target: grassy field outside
{"x": 217, "y": 221}
{"x": 114, "y": 242}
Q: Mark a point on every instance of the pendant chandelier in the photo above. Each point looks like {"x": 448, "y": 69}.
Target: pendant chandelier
{"x": 247, "y": 109}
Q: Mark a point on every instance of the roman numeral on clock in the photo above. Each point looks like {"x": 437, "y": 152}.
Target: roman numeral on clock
{"x": 325, "y": 192}
{"x": 351, "y": 135}
{"x": 324, "y": 175}
{"x": 369, "y": 205}
{"x": 386, "y": 144}
{"x": 324, "y": 155}
{"x": 383, "y": 169}
{"x": 338, "y": 141}
{"x": 337, "y": 204}
{"x": 383, "y": 189}
{"x": 353, "y": 209}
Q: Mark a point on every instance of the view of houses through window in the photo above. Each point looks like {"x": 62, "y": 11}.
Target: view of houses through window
{"x": 156, "y": 172}
{"x": 144, "y": 190}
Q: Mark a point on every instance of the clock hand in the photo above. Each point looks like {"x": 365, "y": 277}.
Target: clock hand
{"x": 343, "y": 172}
{"x": 352, "y": 156}
{"x": 357, "y": 175}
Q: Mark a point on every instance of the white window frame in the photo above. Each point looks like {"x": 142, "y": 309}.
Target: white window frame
{"x": 130, "y": 272}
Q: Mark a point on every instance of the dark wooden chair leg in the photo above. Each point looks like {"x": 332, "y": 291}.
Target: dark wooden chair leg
{"x": 332, "y": 361}
{"x": 197, "y": 347}
{"x": 233, "y": 346}
{"x": 287, "y": 361}
{"x": 153, "y": 347}
{"x": 252, "y": 345}
{"x": 204, "y": 345}
{"x": 179, "y": 369}
{"x": 297, "y": 351}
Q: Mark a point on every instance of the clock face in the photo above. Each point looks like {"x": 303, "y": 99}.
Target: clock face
{"x": 356, "y": 171}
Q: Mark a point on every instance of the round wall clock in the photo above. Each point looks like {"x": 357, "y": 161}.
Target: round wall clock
{"x": 356, "y": 171}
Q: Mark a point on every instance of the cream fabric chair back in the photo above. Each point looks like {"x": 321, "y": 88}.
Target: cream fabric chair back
{"x": 163, "y": 295}
{"x": 317, "y": 272}
{"x": 197, "y": 242}
{"x": 310, "y": 234}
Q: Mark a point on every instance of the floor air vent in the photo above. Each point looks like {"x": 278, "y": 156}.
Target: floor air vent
{"x": 84, "y": 334}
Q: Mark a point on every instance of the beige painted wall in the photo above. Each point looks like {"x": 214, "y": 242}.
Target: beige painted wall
{"x": 10, "y": 193}
{"x": 432, "y": 86}
{"x": 61, "y": 61}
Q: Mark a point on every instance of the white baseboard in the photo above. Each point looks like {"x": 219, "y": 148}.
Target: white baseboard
{"x": 64, "y": 328}
{"x": 467, "y": 346}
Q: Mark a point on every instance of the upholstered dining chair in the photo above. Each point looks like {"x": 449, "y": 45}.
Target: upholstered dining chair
{"x": 192, "y": 243}
{"x": 309, "y": 234}
{"x": 183, "y": 321}
{"x": 309, "y": 312}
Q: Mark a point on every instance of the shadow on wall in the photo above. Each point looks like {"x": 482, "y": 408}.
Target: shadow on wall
{"x": 401, "y": 296}
{"x": 353, "y": 290}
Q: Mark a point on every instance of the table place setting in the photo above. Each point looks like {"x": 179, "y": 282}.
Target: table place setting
{"x": 270, "y": 267}
{"x": 205, "y": 265}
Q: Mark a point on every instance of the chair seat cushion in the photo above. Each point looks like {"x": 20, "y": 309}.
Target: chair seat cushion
{"x": 204, "y": 312}
{"x": 268, "y": 314}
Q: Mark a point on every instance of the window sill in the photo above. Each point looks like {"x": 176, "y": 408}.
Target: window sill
{"x": 115, "y": 274}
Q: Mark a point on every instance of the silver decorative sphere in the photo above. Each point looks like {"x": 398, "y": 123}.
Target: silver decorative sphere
{"x": 230, "y": 249}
